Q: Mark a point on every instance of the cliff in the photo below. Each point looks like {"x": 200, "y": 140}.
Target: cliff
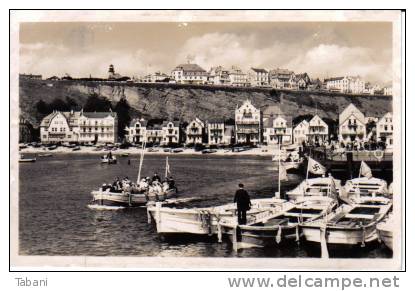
{"x": 184, "y": 102}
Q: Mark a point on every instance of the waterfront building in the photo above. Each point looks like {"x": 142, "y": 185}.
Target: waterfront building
{"x": 278, "y": 130}
{"x": 384, "y": 129}
{"x": 189, "y": 74}
{"x": 99, "y": 127}
{"x": 347, "y": 84}
{"x": 171, "y": 132}
{"x": 229, "y": 134}
{"x": 154, "y": 134}
{"x": 136, "y": 132}
{"x": 258, "y": 77}
{"x": 216, "y": 132}
{"x": 281, "y": 78}
{"x": 248, "y": 123}
{"x": 352, "y": 126}
{"x": 195, "y": 132}
{"x": 219, "y": 76}
{"x": 318, "y": 130}
{"x": 300, "y": 132}
{"x": 237, "y": 77}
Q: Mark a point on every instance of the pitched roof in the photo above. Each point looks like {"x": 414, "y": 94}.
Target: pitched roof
{"x": 216, "y": 120}
{"x": 142, "y": 122}
{"x": 348, "y": 111}
{"x": 176, "y": 123}
{"x": 269, "y": 122}
{"x": 69, "y": 116}
{"x": 189, "y": 68}
{"x": 280, "y": 72}
{"x": 99, "y": 114}
{"x": 334, "y": 79}
{"x": 259, "y": 70}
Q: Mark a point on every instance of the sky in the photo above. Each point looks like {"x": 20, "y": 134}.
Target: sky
{"x": 322, "y": 49}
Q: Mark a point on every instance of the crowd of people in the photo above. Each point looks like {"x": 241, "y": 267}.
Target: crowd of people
{"x": 147, "y": 185}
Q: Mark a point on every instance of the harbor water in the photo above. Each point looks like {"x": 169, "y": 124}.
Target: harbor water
{"x": 54, "y": 218}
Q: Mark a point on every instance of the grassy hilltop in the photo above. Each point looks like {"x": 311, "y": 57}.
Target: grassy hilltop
{"x": 185, "y": 102}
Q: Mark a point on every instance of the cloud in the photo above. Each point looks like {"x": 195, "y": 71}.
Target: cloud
{"x": 334, "y": 60}
{"x": 228, "y": 49}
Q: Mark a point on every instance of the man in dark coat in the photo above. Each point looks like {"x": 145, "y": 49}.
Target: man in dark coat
{"x": 243, "y": 203}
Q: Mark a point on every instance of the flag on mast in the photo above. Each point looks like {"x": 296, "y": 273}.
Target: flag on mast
{"x": 315, "y": 167}
{"x": 283, "y": 173}
{"x": 167, "y": 167}
{"x": 365, "y": 170}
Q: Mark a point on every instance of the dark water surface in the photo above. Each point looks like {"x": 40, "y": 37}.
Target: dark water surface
{"x": 55, "y": 191}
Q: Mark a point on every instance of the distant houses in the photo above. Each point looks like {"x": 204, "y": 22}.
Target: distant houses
{"x": 346, "y": 84}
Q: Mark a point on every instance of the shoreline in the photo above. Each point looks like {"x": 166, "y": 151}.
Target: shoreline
{"x": 263, "y": 151}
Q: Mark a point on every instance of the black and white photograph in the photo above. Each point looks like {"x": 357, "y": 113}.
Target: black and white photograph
{"x": 234, "y": 138}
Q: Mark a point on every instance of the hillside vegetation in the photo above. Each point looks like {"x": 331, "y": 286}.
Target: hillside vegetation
{"x": 184, "y": 102}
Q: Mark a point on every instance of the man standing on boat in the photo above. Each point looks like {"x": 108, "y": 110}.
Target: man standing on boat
{"x": 243, "y": 203}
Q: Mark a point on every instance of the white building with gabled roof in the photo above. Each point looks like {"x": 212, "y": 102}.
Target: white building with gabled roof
{"x": 318, "y": 130}
{"x": 278, "y": 129}
{"x": 352, "y": 125}
{"x": 195, "y": 132}
{"x": 384, "y": 129}
{"x": 300, "y": 132}
{"x": 248, "y": 123}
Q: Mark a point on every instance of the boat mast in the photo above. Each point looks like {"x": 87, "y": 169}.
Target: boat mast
{"x": 143, "y": 146}
{"x": 279, "y": 170}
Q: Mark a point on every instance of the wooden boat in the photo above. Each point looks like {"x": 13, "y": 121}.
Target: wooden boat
{"x": 324, "y": 186}
{"x": 26, "y": 160}
{"x": 76, "y": 148}
{"x": 44, "y": 155}
{"x": 348, "y": 225}
{"x": 205, "y": 220}
{"x": 52, "y": 147}
{"x": 358, "y": 188}
{"x": 285, "y": 225}
{"x": 178, "y": 150}
{"x": 209, "y": 151}
{"x": 385, "y": 231}
{"x": 128, "y": 199}
{"x": 109, "y": 159}
{"x": 125, "y": 154}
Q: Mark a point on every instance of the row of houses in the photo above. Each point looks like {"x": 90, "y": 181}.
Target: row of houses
{"x": 250, "y": 125}
{"x": 260, "y": 77}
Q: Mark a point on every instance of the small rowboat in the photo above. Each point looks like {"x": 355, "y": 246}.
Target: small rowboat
{"x": 44, "y": 155}
{"x": 349, "y": 225}
{"x": 362, "y": 187}
{"x": 385, "y": 231}
{"x": 324, "y": 186}
{"x": 26, "y": 160}
{"x": 285, "y": 225}
{"x": 109, "y": 160}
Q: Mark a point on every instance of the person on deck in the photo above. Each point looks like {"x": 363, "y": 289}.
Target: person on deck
{"x": 156, "y": 177}
{"x": 243, "y": 203}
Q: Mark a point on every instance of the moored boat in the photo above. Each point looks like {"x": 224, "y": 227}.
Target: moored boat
{"x": 349, "y": 225}
{"x": 22, "y": 159}
{"x": 205, "y": 220}
{"x": 285, "y": 225}
{"x": 324, "y": 186}
{"x": 44, "y": 155}
{"x": 358, "y": 188}
{"x": 109, "y": 159}
{"x": 385, "y": 231}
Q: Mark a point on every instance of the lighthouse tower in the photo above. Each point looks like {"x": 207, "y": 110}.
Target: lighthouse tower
{"x": 111, "y": 72}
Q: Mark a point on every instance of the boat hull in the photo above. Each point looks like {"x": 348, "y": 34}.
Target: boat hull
{"x": 128, "y": 200}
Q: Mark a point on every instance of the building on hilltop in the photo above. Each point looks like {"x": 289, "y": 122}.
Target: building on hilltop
{"x": 347, "y": 84}
{"x": 258, "y": 77}
{"x": 190, "y": 74}
{"x": 282, "y": 79}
